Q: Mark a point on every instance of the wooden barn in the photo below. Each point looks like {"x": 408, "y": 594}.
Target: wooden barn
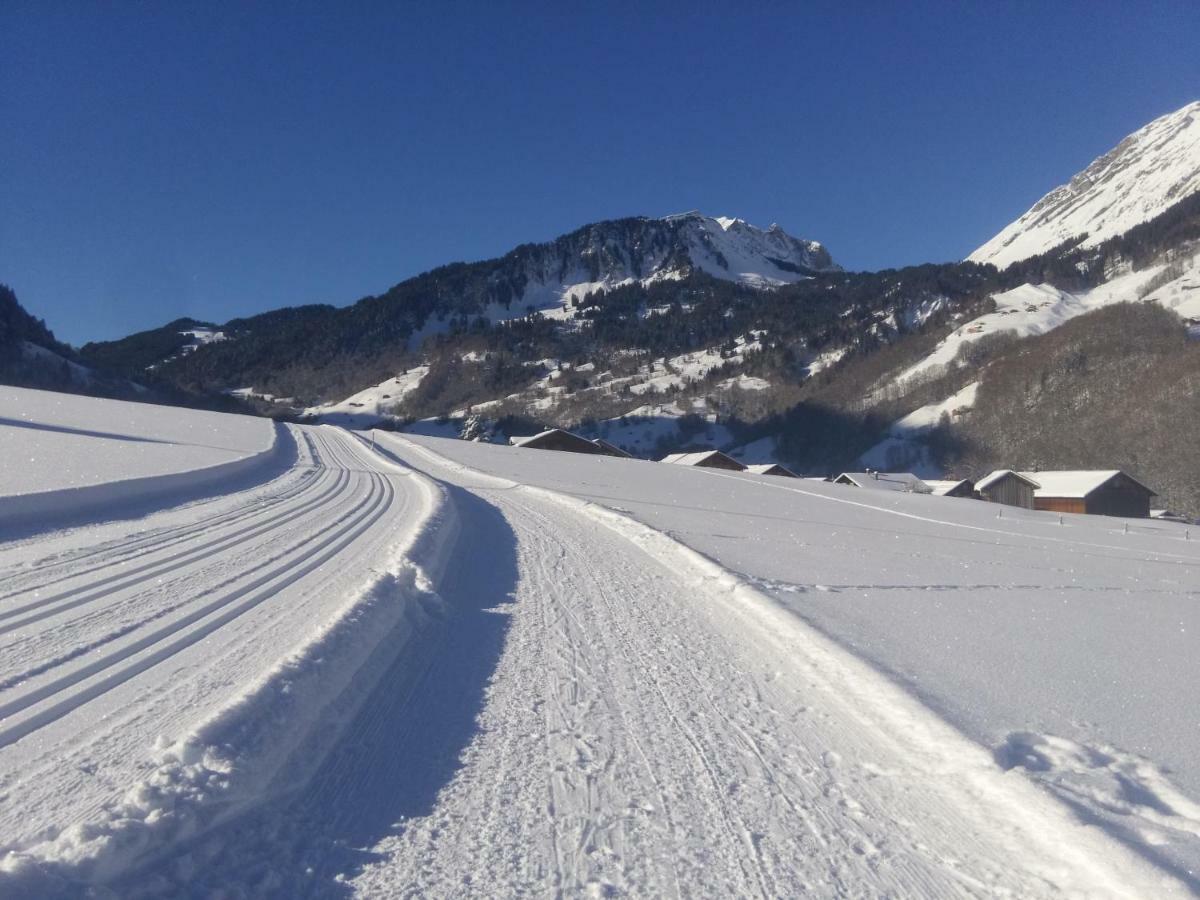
{"x": 962, "y": 488}
{"x": 611, "y": 449}
{"x": 1108, "y": 492}
{"x": 1007, "y": 487}
{"x": 705, "y": 459}
{"x": 905, "y": 482}
{"x": 771, "y": 469}
{"x": 558, "y": 439}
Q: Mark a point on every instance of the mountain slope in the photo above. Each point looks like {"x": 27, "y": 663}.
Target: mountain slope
{"x": 1145, "y": 174}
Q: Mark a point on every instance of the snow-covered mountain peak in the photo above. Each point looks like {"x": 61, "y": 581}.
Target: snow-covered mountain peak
{"x": 1147, "y": 172}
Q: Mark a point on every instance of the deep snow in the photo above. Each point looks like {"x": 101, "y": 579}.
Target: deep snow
{"x": 381, "y": 672}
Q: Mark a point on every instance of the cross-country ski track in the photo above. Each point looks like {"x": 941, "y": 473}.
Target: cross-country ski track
{"x": 386, "y": 673}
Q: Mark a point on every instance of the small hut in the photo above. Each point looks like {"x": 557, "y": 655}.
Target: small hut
{"x": 1108, "y": 492}
{"x": 1007, "y": 487}
{"x": 705, "y": 459}
{"x": 558, "y": 439}
{"x": 771, "y": 469}
{"x": 962, "y": 488}
{"x": 905, "y": 482}
{"x": 611, "y": 449}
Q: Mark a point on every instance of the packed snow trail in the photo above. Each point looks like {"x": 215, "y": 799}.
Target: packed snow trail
{"x": 608, "y": 714}
{"x": 117, "y": 644}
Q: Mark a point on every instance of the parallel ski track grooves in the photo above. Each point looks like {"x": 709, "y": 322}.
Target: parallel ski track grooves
{"x": 120, "y": 552}
{"x": 162, "y": 611}
{"x": 103, "y": 587}
{"x": 179, "y": 635}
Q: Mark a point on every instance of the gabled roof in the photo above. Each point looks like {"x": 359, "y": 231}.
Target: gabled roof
{"x": 999, "y": 475}
{"x": 611, "y": 449}
{"x": 1076, "y": 484}
{"x": 771, "y": 469}
{"x": 558, "y": 439}
{"x": 533, "y": 438}
{"x": 699, "y": 458}
{"x": 885, "y": 481}
{"x": 941, "y": 488}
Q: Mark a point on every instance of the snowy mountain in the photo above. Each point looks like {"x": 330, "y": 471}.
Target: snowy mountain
{"x": 553, "y": 277}
{"x": 1148, "y": 172}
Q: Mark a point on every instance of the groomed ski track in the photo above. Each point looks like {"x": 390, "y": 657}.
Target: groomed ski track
{"x": 571, "y": 704}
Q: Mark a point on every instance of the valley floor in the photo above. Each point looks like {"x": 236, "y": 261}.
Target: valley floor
{"x": 391, "y": 673}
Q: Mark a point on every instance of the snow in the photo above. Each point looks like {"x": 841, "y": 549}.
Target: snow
{"x": 405, "y": 665}
{"x": 159, "y": 676}
{"x": 1149, "y": 171}
{"x": 1029, "y": 310}
{"x": 941, "y": 488}
{"x": 698, "y": 458}
{"x": 903, "y": 445}
{"x": 1008, "y": 628}
{"x": 70, "y": 447}
{"x": 371, "y": 405}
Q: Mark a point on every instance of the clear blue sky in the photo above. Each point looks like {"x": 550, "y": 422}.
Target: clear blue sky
{"x": 214, "y": 160}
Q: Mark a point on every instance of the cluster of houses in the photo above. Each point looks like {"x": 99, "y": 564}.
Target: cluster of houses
{"x": 1108, "y": 492}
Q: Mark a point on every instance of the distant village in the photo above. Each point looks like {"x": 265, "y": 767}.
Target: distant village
{"x": 1106, "y": 492}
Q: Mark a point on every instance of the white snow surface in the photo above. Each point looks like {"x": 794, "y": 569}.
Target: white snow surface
{"x": 405, "y": 666}
{"x": 54, "y": 441}
{"x": 1030, "y": 310}
{"x": 371, "y": 405}
{"x": 1149, "y": 171}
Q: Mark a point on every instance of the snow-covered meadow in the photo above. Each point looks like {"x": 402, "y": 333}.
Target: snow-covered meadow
{"x": 397, "y": 665}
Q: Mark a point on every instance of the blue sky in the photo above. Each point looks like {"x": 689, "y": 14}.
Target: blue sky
{"x": 215, "y": 160}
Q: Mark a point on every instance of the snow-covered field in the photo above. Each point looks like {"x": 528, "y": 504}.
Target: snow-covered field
{"x": 437, "y": 668}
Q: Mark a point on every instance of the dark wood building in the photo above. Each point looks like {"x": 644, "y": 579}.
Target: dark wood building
{"x": 611, "y": 449}
{"x": 963, "y": 488}
{"x": 1007, "y": 487}
{"x": 771, "y": 469}
{"x": 1108, "y": 492}
{"x": 705, "y": 459}
{"x": 558, "y": 439}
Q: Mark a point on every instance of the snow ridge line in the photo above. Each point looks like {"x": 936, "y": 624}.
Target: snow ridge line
{"x": 44, "y": 508}
{"x": 1081, "y": 860}
{"x": 268, "y": 741}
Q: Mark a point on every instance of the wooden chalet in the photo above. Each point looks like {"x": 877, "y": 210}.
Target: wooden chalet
{"x": 771, "y": 469}
{"x": 564, "y": 441}
{"x": 705, "y": 459}
{"x": 611, "y": 449}
{"x": 904, "y": 482}
{"x": 1108, "y": 492}
{"x": 1007, "y": 487}
{"x": 962, "y": 488}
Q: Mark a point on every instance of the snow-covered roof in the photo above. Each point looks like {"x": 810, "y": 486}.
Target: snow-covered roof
{"x": 886, "y": 481}
{"x": 941, "y": 488}
{"x": 992, "y": 478}
{"x": 530, "y": 438}
{"x": 771, "y": 469}
{"x": 698, "y": 458}
{"x": 1075, "y": 484}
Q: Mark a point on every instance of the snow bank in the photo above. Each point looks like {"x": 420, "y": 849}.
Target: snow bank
{"x": 270, "y": 739}
{"x": 109, "y": 455}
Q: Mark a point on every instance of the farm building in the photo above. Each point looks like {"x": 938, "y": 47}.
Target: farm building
{"x": 558, "y": 439}
{"x": 885, "y": 481}
{"x": 611, "y": 449}
{"x": 1007, "y": 487}
{"x": 705, "y": 459}
{"x": 1107, "y": 492}
{"x": 963, "y": 488}
{"x": 772, "y": 469}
